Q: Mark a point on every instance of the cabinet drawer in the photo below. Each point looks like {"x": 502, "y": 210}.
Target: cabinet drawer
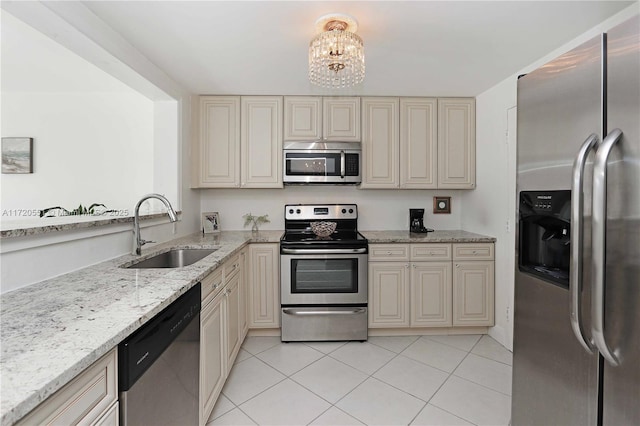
{"x": 83, "y": 400}
{"x": 473, "y": 251}
{"x": 388, "y": 252}
{"x": 211, "y": 284}
{"x": 231, "y": 267}
{"x": 430, "y": 252}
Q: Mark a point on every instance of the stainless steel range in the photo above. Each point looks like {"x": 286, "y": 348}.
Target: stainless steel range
{"x": 323, "y": 279}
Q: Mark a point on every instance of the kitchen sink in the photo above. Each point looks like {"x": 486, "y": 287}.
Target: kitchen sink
{"x": 175, "y": 258}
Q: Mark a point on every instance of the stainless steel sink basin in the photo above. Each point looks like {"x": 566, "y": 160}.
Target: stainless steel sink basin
{"x": 174, "y": 258}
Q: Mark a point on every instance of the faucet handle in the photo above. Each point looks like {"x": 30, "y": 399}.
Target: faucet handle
{"x": 143, "y": 242}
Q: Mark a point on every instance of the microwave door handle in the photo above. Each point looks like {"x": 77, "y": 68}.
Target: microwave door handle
{"x": 599, "y": 243}
{"x": 577, "y": 232}
{"x": 342, "y": 164}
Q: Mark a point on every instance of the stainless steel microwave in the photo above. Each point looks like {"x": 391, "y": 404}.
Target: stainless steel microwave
{"x": 322, "y": 162}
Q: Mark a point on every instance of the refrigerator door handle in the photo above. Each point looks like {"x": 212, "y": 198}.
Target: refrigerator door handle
{"x": 599, "y": 243}
{"x": 575, "y": 279}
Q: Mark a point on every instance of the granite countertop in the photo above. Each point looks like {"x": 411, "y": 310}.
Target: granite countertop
{"x": 451, "y": 236}
{"x": 42, "y": 225}
{"x": 53, "y": 330}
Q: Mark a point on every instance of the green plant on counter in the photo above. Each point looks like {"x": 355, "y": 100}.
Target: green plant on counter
{"x": 255, "y": 220}
{"x": 80, "y": 210}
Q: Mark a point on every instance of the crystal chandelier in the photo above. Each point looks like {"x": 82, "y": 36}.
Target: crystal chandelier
{"x": 336, "y": 54}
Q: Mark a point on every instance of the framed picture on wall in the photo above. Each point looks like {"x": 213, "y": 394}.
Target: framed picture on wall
{"x": 210, "y": 223}
{"x": 17, "y": 155}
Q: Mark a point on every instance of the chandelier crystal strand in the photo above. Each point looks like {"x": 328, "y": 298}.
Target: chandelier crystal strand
{"x": 336, "y": 59}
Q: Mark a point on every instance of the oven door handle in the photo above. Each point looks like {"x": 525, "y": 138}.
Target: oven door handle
{"x": 293, "y": 311}
{"x": 323, "y": 251}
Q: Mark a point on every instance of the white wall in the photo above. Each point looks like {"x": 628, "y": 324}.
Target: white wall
{"x": 71, "y": 25}
{"x": 377, "y": 209}
{"x": 93, "y": 135}
{"x": 490, "y": 207}
{"x": 88, "y": 148}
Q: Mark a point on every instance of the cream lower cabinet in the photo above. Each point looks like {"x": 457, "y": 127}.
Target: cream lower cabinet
{"x": 431, "y": 294}
{"x": 234, "y": 337}
{"x": 473, "y": 284}
{"x": 213, "y": 351}
{"x": 389, "y": 294}
{"x": 244, "y": 292}
{"x": 91, "y": 398}
{"x": 264, "y": 290}
{"x": 430, "y": 285}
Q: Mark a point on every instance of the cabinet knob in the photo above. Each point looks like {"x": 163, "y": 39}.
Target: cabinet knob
{"x": 457, "y": 265}
{"x": 388, "y": 252}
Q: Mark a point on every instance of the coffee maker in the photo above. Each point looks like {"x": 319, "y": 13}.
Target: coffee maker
{"x": 416, "y": 221}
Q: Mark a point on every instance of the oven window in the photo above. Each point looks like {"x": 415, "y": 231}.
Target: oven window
{"x": 313, "y": 164}
{"x": 324, "y": 276}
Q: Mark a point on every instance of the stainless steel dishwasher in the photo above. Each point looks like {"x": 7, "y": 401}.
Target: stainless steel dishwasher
{"x": 158, "y": 367}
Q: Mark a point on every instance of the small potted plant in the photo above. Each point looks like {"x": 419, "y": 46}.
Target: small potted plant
{"x": 255, "y": 221}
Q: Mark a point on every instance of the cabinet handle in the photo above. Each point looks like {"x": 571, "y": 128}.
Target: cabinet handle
{"x": 457, "y": 265}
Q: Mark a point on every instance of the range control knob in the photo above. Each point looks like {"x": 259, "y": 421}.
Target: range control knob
{"x": 298, "y": 211}
{"x": 290, "y": 211}
{"x": 350, "y": 210}
{"x": 344, "y": 211}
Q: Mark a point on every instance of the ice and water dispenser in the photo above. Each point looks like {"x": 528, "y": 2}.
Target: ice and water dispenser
{"x": 544, "y": 228}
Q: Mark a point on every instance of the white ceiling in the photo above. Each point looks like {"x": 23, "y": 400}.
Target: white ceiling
{"x": 412, "y": 48}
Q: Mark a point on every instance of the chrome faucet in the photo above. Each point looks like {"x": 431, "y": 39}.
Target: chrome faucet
{"x": 138, "y": 242}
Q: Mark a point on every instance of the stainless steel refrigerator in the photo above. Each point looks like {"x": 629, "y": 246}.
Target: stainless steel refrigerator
{"x": 577, "y": 280}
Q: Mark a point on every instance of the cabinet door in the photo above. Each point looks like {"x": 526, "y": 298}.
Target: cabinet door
{"x": 431, "y": 294}
{"x": 81, "y": 401}
{"x": 418, "y": 143}
{"x": 216, "y": 163}
{"x": 213, "y": 354}
{"x": 261, "y": 142}
{"x": 341, "y": 119}
{"x": 456, "y": 143}
{"x": 302, "y": 118}
{"x": 473, "y": 293}
{"x": 380, "y": 143}
{"x": 243, "y": 290}
{"x": 388, "y": 294}
{"x": 232, "y": 293}
{"x": 264, "y": 290}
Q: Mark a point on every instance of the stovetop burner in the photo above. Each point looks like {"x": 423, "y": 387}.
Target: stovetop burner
{"x": 298, "y": 219}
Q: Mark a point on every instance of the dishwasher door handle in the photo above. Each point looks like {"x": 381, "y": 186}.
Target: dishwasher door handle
{"x": 351, "y": 311}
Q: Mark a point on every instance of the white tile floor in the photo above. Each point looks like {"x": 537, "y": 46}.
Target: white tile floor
{"x": 428, "y": 380}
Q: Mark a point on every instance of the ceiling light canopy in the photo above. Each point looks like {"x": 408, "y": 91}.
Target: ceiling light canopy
{"x": 336, "y": 54}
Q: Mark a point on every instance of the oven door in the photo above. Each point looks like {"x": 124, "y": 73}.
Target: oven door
{"x": 323, "y": 276}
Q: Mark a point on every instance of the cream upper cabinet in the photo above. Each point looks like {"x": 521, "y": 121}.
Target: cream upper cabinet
{"x": 264, "y": 287}
{"x": 380, "y": 148}
{"x": 456, "y": 143}
{"x": 261, "y": 142}
{"x": 341, "y": 119}
{"x": 389, "y": 294}
{"x": 302, "y": 118}
{"x": 418, "y": 143}
{"x": 217, "y": 155}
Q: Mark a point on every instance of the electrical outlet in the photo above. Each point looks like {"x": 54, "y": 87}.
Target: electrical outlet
{"x": 508, "y": 312}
